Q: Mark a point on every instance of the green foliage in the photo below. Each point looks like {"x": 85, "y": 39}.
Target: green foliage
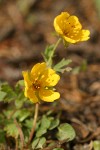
{"x": 2, "y": 95}
{"x": 38, "y": 143}
{"x": 35, "y": 143}
{"x": 11, "y": 130}
{"x": 10, "y": 95}
{"x": 45, "y": 124}
{"x": 54, "y": 123}
{"x": 60, "y": 67}
{"x": 65, "y": 132}
{"x": 96, "y": 145}
{"x": 22, "y": 114}
{"x": 2, "y": 136}
{"x": 19, "y": 108}
{"x": 48, "y": 53}
{"x": 16, "y": 120}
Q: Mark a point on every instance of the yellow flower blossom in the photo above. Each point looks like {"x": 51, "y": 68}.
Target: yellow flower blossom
{"x": 70, "y": 29}
{"x": 39, "y": 83}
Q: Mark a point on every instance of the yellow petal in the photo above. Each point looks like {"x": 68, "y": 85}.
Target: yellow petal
{"x": 69, "y": 40}
{"x": 48, "y": 95}
{"x": 27, "y": 81}
{"x": 38, "y": 69}
{"x": 85, "y": 35}
{"x": 29, "y": 93}
{"x": 50, "y": 78}
{"x": 74, "y": 23}
{"x": 57, "y": 28}
{"x": 59, "y": 21}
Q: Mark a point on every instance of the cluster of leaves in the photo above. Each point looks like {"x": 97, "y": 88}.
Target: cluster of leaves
{"x": 20, "y": 110}
{"x": 60, "y": 66}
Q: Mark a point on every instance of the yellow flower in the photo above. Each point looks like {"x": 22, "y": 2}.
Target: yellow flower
{"x": 39, "y": 83}
{"x": 70, "y": 29}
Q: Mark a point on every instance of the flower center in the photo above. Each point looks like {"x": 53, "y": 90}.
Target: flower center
{"x": 68, "y": 29}
{"x": 36, "y": 86}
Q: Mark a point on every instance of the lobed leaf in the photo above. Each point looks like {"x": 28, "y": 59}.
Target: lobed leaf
{"x": 65, "y": 132}
{"x": 63, "y": 63}
{"x": 22, "y": 114}
{"x": 45, "y": 124}
{"x": 54, "y": 124}
{"x": 48, "y": 53}
{"x": 12, "y": 130}
{"x": 41, "y": 143}
{"x": 2, "y": 95}
{"x": 10, "y": 94}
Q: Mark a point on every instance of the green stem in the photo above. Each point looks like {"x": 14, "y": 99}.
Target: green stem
{"x": 34, "y": 122}
{"x": 53, "y": 51}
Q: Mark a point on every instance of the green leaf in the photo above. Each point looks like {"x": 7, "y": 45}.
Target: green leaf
{"x": 41, "y": 142}
{"x": 20, "y": 100}
{"x": 12, "y": 130}
{"x": 47, "y": 53}
{"x": 59, "y": 67}
{"x": 96, "y": 145}
{"x": 22, "y": 114}
{"x": 1, "y": 119}
{"x": 54, "y": 124}
{"x": 34, "y": 143}
{"x": 2, "y": 136}
{"x": 38, "y": 143}
{"x": 20, "y": 83}
{"x": 65, "y": 132}
{"x": 45, "y": 124}
{"x": 10, "y": 94}
{"x": 2, "y": 95}
{"x": 8, "y": 112}
{"x": 29, "y": 123}
{"x": 51, "y": 144}
{"x": 40, "y": 132}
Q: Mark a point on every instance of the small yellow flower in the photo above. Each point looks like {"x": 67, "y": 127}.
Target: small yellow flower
{"x": 70, "y": 29}
{"x": 39, "y": 83}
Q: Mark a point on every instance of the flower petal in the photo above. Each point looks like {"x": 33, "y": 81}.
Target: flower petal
{"x": 29, "y": 93}
{"x": 69, "y": 40}
{"x": 48, "y": 95}
{"x": 70, "y": 28}
{"x": 85, "y": 35}
{"x": 50, "y": 78}
{"x": 74, "y": 23}
{"x": 38, "y": 70}
{"x": 59, "y": 22}
{"x": 27, "y": 81}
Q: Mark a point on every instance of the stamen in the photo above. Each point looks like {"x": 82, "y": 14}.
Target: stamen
{"x": 36, "y": 86}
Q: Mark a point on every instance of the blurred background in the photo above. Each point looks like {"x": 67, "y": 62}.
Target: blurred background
{"x": 26, "y": 28}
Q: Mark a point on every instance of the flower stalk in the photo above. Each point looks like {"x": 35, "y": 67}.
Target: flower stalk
{"x": 34, "y": 122}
